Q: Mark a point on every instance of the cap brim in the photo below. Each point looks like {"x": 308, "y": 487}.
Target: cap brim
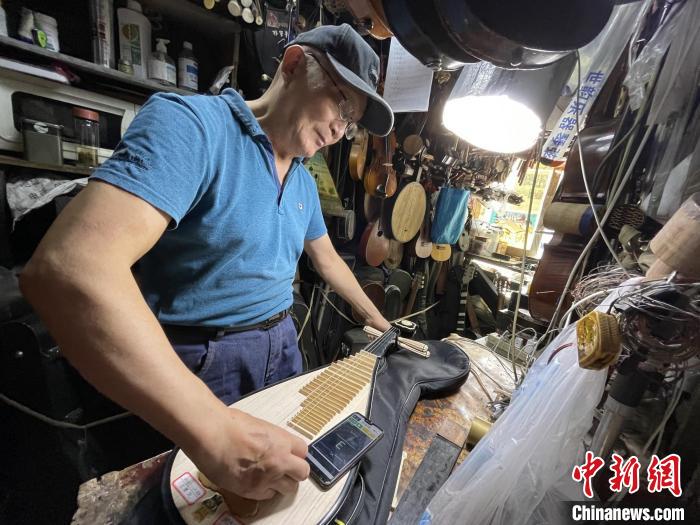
{"x": 378, "y": 118}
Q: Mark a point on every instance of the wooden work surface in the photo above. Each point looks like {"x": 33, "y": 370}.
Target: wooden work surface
{"x": 111, "y": 498}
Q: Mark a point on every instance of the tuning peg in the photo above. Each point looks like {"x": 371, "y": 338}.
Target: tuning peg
{"x": 234, "y": 8}
{"x": 247, "y": 15}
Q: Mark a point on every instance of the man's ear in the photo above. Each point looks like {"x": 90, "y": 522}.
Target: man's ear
{"x": 293, "y": 61}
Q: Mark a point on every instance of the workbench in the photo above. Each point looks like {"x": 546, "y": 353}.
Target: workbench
{"x": 111, "y": 497}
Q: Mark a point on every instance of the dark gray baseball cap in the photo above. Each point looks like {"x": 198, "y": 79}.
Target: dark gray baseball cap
{"x": 358, "y": 65}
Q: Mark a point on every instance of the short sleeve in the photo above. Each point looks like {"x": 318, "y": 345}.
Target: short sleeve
{"x": 162, "y": 157}
{"x": 317, "y": 227}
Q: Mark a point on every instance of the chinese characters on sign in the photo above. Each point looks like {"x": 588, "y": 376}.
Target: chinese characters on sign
{"x": 662, "y": 474}
{"x": 565, "y": 131}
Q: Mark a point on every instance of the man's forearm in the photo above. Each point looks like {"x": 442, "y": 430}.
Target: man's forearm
{"x": 341, "y": 279}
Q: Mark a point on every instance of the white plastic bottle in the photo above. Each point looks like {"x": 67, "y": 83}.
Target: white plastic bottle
{"x": 161, "y": 67}
{"x": 3, "y": 21}
{"x": 134, "y": 37}
{"x": 187, "y": 68}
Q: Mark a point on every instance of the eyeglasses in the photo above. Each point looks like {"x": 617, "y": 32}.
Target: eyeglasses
{"x": 345, "y": 106}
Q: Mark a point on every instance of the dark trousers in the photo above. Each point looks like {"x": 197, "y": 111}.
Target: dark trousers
{"x": 236, "y": 364}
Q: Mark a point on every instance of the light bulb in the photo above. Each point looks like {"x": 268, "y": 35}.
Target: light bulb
{"x": 492, "y": 122}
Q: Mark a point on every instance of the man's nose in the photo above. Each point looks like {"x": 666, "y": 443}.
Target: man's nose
{"x": 337, "y": 128}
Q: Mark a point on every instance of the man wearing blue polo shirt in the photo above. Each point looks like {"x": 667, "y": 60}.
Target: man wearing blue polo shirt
{"x": 210, "y": 195}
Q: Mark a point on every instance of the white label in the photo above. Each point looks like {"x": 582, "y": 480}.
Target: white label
{"x": 188, "y": 74}
{"x": 156, "y": 69}
{"x": 170, "y": 74}
{"x": 189, "y": 488}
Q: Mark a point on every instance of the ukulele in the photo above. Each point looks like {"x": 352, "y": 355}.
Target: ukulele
{"x": 441, "y": 252}
{"x": 374, "y": 245}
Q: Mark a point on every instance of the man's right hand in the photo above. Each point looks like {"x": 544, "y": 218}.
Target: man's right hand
{"x": 251, "y": 457}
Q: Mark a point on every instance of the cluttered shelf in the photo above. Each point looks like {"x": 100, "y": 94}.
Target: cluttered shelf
{"x": 94, "y": 73}
{"x": 7, "y": 160}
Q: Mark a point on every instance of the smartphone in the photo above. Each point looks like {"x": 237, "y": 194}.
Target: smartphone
{"x": 339, "y": 449}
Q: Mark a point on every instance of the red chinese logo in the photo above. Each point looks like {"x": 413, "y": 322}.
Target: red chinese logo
{"x": 665, "y": 474}
{"x": 586, "y": 472}
{"x": 662, "y": 474}
{"x": 625, "y": 474}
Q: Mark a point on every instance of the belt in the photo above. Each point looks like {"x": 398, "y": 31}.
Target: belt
{"x": 220, "y": 331}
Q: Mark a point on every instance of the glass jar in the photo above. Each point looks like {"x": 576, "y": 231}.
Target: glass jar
{"x": 87, "y": 132}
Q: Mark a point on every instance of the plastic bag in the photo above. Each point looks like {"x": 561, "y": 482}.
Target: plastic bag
{"x": 450, "y": 215}
{"x": 521, "y": 470}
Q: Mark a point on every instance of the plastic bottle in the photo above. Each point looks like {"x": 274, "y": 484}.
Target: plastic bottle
{"x": 134, "y": 37}
{"x": 161, "y": 67}
{"x": 3, "y": 21}
{"x": 49, "y": 26}
{"x": 187, "y": 68}
{"x": 101, "y": 20}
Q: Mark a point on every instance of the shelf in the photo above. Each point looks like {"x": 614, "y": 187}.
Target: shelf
{"x": 111, "y": 78}
{"x": 6, "y": 160}
{"x": 195, "y": 16}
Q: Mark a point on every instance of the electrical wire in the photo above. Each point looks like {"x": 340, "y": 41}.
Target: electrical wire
{"x": 511, "y": 349}
{"x": 594, "y": 237}
{"x": 605, "y": 278}
{"x": 616, "y": 189}
{"x": 308, "y": 314}
{"x": 455, "y": 342}
{"x": 57, "y": 423}
{"x": 327, "y": 299}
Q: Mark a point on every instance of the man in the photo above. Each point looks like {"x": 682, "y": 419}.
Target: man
{"x": 209, "y": 194}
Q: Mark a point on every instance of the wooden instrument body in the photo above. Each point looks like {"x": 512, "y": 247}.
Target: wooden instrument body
{"x": 441, "y": 252}
{"x": 421, "y": 246}
{"x": 395, "y": 255}
{"x": 371, "y": 17}
{"x": 277, "y": 405}
{"x": 358, "y": 154}
{"x": 380, "y": 180}
{"x": 373, "y": 247}
{"x": 376, "y": 293}
{"x": 408, "y": 212}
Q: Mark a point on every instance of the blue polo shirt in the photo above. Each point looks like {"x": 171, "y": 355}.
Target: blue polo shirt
{"x": 230, "y": 254}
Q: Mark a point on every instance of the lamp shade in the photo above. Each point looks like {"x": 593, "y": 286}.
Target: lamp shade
{"x": 504, "y": 110}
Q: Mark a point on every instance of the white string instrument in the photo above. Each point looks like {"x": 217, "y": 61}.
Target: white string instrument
{"x": 306, "y": 405}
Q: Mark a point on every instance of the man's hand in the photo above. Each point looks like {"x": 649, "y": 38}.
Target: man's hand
{"x": 252, "y": 458}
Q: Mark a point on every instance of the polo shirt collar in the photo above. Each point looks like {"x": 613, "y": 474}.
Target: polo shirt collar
{"x": 245, "y": 116}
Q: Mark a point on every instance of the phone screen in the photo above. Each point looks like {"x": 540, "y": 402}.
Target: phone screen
{"x": 334, "y": 453}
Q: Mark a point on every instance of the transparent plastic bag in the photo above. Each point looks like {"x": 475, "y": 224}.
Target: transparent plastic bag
{"x": 521, "y": 470}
